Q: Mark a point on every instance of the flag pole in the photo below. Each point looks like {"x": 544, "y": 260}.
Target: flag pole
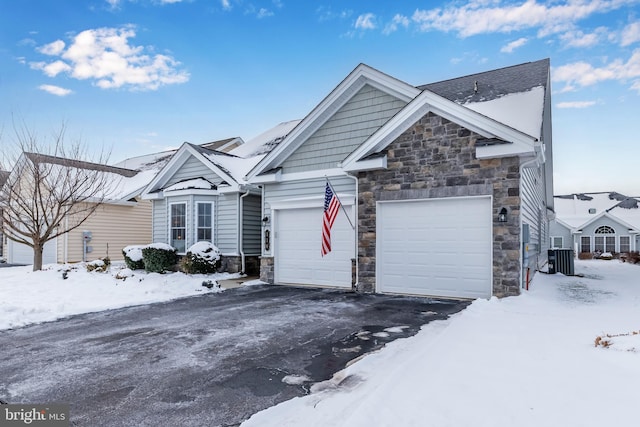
{"x": 341, "y": 205}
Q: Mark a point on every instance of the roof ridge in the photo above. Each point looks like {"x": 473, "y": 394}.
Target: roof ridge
{"x": 80, "y": 164}
{"x": 484, "y": 72}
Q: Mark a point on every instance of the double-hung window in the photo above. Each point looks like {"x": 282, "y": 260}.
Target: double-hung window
{"x": 625, "y": 244}
{"x": 585, "y": 244}
{"x": 178, "y": 226}
{"x": 605, "y": 239}
{"x": 556, "y": 242}
{"x": 204, "y": 222}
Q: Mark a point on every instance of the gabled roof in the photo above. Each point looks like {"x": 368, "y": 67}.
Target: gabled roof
{"x": 362, "y": 75}
{"x": 266, "y": 141}
{"x": 581, "y": 209}
{"x": 505, "y": 106}
{"x": 229, "y": 168}
{"x": 224, "y": 145}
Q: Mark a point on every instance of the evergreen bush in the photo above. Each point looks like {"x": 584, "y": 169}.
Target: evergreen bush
{"x": 159, "y": 257}
{"x": 201, "y": 258}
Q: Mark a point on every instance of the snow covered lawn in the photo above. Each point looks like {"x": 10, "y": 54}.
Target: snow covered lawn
{"x": 38, "y": 296}
{"x": 522, "y": 361}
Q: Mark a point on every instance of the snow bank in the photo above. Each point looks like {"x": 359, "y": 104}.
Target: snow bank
{"x": 523, "y": 361}
{"x": 39, "y": 296}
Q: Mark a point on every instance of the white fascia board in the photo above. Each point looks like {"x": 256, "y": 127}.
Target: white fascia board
{"x": 208, "y": 163}
{"x": 367, "y": 164}
{"x": 266, "y": 178}
{"x": 301, "y": 176}
{"x": 360, "y": 76}
{"x": 503, "y": 150}
{"x": 225, "y": 189}
{"x": 428, "y": 101}
{"x": 311, "y": 202}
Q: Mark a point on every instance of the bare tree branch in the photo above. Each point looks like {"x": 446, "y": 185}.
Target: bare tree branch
{"x": 52, "y": 189}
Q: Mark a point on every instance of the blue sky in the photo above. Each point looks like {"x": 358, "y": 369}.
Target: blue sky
{"x": 138, "y": 76}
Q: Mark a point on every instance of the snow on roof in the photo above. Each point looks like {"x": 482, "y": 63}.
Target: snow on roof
{"x": 266, "y": 141}
{"x": 236, "y": 167}
{"x": 191, "y": 183}
{"x": 146, "y": 161}
{"x": 522, "y": 111}
{"x": 577, "y": 209}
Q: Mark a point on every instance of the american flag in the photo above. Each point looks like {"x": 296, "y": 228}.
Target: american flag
{"x": 331, "y": 207}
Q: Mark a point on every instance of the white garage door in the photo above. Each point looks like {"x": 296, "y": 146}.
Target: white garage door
{"x": 19, "y": 253}
{"x": 297, "y": 249}
{"x": 439, "y": 247}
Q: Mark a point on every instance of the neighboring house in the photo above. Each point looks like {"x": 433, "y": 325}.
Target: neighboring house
{"x": 123, "y": 218}
{"x": 201, "y": 195}
{"x": 3, "y": 178}
{"x": 596, "y": 222}
{"x": 424, "y": 174}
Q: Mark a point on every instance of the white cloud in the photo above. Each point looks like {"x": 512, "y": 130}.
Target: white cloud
{"x": 577, "y": 38}
{"x": 366, "y": 22}
{"x": 584, "y": 74}
{"x": 510, "y": 47}
{"x": 576, "y": 104}
{"x": 105, "y": 56}
{"x": 52, "y": 49}
{"x": 264, "y": 13}
{"x": 398, "y": 20}
{"x": 630, "y": 34}
{"x": 55, "y": 90}
{"x": 226, "y": 5}
{"x": 493, "y": 16}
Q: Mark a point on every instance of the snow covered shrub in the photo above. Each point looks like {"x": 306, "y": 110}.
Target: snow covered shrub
{"x": 133, "y": 257}
{"x": 99, "y": 265}
{"x": 159, "y": 257}
{"x": 201, "y": 258}
{"x": 634, "y": 257}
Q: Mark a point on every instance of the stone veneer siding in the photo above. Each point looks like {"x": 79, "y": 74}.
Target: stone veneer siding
{"x": 267, "y": 269}
{"x": 233, "y": 264}
{"x": 435, "y": 158}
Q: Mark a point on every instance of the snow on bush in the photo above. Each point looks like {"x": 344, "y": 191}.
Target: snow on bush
{"x": 124, "y": 274}
{"x": 133, "y": 257}
{"x": 99, "y": 265}
{"x": 201, "y": 258}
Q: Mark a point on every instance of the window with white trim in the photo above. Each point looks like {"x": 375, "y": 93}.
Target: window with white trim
{"x": 557, "y": 242}
{"x": 178, "y": 226}
{"x": 585, "y": 244}
{"x": 625, "y": 244}
{"x": 602, "y": 242}
{"x": 204, "y": 222}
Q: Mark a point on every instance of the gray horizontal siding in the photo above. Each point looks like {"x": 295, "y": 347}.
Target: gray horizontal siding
{"x": 227, "y": 224}
{"x": 251, "y": 225}
{"x": 293, "y": 190}
{"x": 193, "y": 168}
{"x": 533, "y": 213}
{"x": 352, "y": 124}
{"x": 159, "y": 230}
{"x": 558, "y": 230}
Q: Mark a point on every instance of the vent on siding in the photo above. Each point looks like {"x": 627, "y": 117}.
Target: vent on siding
{"x": 592, "y": 210}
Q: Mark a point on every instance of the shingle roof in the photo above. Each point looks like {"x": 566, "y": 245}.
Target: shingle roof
{"x": 492, "y": 84}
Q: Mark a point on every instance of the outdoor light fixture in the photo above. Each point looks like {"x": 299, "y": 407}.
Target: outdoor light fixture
{"x": 502, "y": 216}
{"x": 265, "y": 219}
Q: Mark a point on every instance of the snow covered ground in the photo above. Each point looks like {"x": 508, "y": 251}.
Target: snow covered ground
{"x": 523, "y": 361}
{"x": 38, "y": 296}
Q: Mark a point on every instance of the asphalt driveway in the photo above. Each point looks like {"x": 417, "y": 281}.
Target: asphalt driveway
{"x": 211, "y": 360}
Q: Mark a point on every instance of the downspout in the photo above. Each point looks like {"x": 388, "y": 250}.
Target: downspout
{"x": 522, "y": 247}
{"x": 241, "y": 231}
{"x": 355, "y": 213}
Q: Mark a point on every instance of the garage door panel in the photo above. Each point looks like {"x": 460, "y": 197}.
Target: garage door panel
{"x": 435, "y": 247}
{"x": 298, "y": 259}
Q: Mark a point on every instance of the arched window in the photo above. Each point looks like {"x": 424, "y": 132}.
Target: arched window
{"x": 605, "y": 243}
{"x": 605, "y": 229}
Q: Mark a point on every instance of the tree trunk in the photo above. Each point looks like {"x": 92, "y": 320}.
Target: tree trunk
{"x": 37, "y": 256}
